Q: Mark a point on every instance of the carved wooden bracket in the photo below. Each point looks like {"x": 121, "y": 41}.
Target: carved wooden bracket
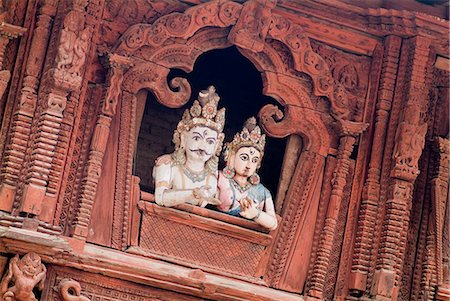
{"x": 22, "y": 277}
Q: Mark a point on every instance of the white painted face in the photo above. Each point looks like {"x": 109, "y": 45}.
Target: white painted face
{"x": 246, "y": 161}
{"x": 200, "y": 143}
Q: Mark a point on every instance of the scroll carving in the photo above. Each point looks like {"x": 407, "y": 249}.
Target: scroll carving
{"x": 22, "y": 277}
{"x": 70, "y": 290}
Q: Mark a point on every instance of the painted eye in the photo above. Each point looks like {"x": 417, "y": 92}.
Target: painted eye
{"x": 255, "y": 160}
{"x": 210, "y": 142}
{"x": 196, "y": 138}
{"x": 244, "y": 157}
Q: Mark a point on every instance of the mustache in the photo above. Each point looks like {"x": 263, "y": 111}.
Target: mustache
{"x": 201, "y": 151}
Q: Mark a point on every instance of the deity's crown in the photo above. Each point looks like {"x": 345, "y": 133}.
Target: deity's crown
{"x": 204, "y": 112}
{"x": 249, "y": 136}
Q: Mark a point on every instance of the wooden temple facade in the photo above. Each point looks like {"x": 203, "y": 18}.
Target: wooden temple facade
{"x": 362, "y": 95}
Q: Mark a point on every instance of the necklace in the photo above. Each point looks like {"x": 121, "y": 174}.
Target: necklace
{"x": 239, "y": 187}
{"x": 195, "y": 176}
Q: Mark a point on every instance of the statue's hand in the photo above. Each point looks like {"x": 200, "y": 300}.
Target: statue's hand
{"x": 205, "y": 192}
{"x": 248, "y": 208}
{"x": 214, "y": 201}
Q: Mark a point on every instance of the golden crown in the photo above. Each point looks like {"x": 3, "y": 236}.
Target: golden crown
{"x": 203, "y": 112}
{"x": 249, "y": 136}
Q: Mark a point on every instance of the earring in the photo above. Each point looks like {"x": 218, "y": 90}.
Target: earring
{"x": 254, "y": 179}
{"x": 228, "y": 172}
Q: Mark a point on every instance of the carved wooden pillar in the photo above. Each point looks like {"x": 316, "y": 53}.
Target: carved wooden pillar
{"x": 371, "y": 192}
{"x": 349, "y": 132}
{"x": 7, "y": 32}
{"x": 439, "y": 225}
{"x": 58, "y": 83}
{"x": 410, "y": 140}
{"x": 20, "y": 131}
{"x": 117, "y": 65}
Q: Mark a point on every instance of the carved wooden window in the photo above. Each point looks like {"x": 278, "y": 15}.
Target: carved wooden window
{"x": 200, "y": 237}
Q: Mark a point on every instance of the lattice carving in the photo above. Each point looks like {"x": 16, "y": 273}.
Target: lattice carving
{"x": 196, "y": 246}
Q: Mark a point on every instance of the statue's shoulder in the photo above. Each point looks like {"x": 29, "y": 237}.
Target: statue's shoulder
{"x": 164, "y": 160}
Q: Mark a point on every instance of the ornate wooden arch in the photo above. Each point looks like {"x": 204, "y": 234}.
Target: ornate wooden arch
{"x": 143, "y": 58}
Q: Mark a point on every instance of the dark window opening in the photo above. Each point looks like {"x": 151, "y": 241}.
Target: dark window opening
{"x": 239, "y": 86}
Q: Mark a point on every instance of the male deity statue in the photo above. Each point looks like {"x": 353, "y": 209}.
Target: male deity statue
{"x": 189, "y": 175}
{"x": 240, "y": 190}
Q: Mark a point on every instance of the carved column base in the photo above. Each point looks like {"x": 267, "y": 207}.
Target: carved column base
{"x": 443, "y": 292}
{"x": 357, "y": 281}
{"x": 383, "y": 285}
{"x": 311, "y": 298}
{"x": 7, "y": 194}
{"x": 32, "y": 199}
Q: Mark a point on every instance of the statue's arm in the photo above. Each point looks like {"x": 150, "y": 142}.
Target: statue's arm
{"x": 267, "y": 218}
{"x": 14, "y": 267}
{"x": 164, "y": 194}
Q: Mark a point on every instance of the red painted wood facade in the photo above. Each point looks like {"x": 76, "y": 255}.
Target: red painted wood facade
{"x": 362, "y": 93}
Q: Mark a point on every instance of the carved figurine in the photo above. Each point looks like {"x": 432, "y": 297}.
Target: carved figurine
{"x": 189, "y": 175}
{"x": 410, "y": 139}
{"x": 240, "y": 190}
{"x": 73, "y": 44}
{"x": 22, "y": 276}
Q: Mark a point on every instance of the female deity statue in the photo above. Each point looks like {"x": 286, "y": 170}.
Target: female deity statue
{"x": 189, "y": 175}
{"x": 240, "y": 190}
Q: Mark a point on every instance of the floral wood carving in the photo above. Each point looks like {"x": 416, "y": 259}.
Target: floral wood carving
{"x": 251, "y": 28}
{"x": 22, "y": 277}
{"x": 70, "y": 290}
